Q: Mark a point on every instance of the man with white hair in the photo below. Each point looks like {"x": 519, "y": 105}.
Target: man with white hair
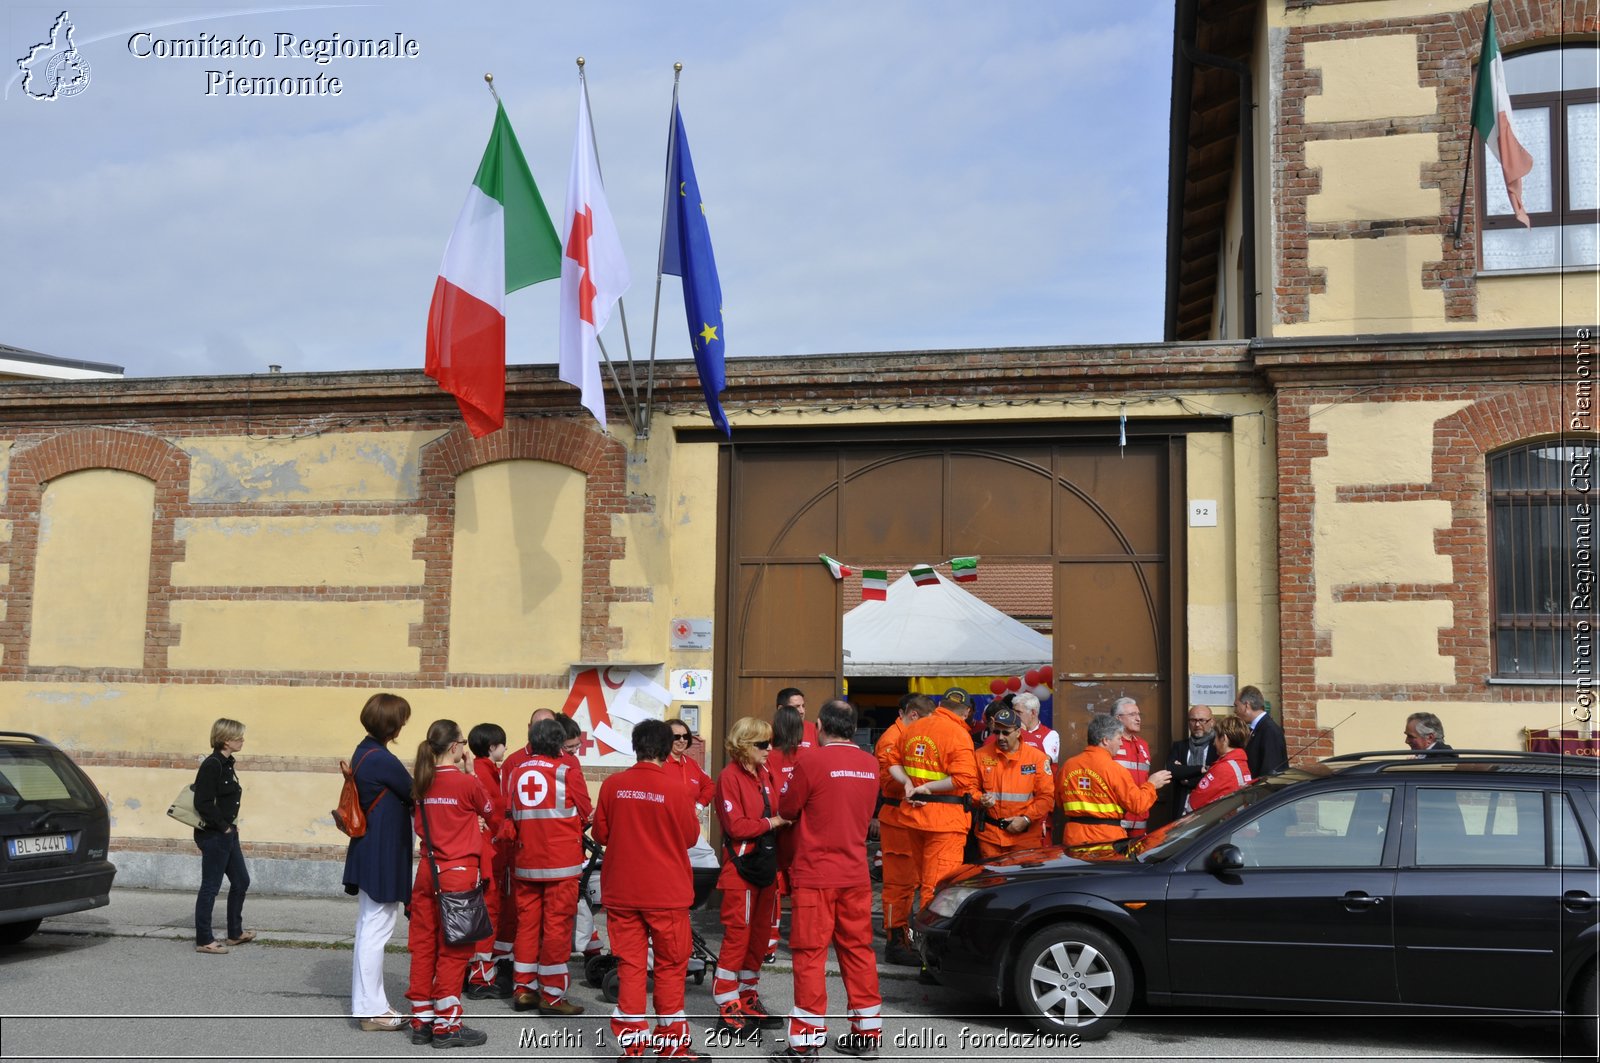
{"x": 1034, "y": 733}
{"x": 1133, "y": 754}
{"x": 1097, "y": 794}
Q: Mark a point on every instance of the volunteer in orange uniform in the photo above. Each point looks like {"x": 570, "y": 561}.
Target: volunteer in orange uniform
{"x": 1097, "y": 794}
{"x": 830, "y": 798}
{"x": 548, "y": 801}
{"x": 899, "y": 873}
{"x": 1018, "y": 788}
{"x": 449, "y": 805}
{"x": 935, "y": 768}
{"x": 1133, "y": 754}
{"x": 487, "y": 741}
{"x": 645, "y": 818}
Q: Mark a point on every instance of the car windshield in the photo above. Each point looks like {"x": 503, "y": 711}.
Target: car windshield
{"x": 38, "y": 778}
{"x": 1165, "y": 841}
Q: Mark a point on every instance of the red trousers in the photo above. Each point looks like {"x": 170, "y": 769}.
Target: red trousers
{"x": 634, "y": 933}
{"x": 437, "y": 969}
{"x": 502, "y": 915}
{"x": 843, "y": 918}
{"x": 747, "y": 918}
{"x": 935, "y": 855}
{"x": 545, "y": 913}
{"x": 899, "y": 875}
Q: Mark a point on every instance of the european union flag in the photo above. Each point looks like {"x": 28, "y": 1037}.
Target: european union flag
{"x": 686, "y": 253}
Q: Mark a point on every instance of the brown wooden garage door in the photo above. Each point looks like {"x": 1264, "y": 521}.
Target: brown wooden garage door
{"x": 1106, "y": 518}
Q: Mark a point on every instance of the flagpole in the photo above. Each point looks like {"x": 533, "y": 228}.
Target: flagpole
{"x": 594, "y": 147}
{"x": 661, "y": 250}
{"x": 1472, "y": 138}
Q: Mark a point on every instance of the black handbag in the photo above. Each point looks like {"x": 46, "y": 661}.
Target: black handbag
{"x": 463, "y": 915}
{"x": 759, "y": 866}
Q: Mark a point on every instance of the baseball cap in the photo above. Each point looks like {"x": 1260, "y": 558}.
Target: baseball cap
{"x": 1005, "y": 716}
{"x": 956, "y": 698}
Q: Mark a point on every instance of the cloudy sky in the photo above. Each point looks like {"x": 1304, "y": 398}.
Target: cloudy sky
{"x": 878, "y": 176}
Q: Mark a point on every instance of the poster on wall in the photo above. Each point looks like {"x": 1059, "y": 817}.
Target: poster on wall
{"x": 607, "y": 701}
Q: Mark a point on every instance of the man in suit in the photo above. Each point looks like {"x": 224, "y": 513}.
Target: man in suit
{"x": 1267, "y": 753}
{"x": 1425, "y": 734}
{"x": 1191, "y": 755}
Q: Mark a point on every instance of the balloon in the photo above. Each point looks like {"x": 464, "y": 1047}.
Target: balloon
{"x": 1030, "y": 678}
{"x": 1046, "y": 676}
{"x": 997, "y": 686}
{"x": 1041, "y": 692}
{"x": 1014, "y": 683}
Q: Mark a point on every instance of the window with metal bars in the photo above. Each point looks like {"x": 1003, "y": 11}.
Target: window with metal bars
{"x": 1536, "y": 529}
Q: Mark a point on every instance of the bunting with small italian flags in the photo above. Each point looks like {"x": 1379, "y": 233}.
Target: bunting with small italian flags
{"x": 874, "y": 584}
{"x": 924, "y": 575}
{"x": 838, "y": 570}
{"x": 964, "y": 569}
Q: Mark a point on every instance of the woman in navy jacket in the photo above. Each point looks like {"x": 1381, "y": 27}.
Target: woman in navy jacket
{"x": 377, "y": 868}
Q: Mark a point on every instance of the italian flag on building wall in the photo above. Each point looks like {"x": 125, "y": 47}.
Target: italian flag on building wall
{"x": 1491, "y": 119}
{"x": 503, "y": 240}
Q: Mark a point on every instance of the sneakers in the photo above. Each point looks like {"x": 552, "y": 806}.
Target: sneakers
{"x": 753, "y": 1007}
{"x": 479, "y": 991}
{"x": 422, "y": 1035}
{"x": 860, "y": 1045}
{"x": 525, "y": 1000}
{"x": 898, "y": 951}
{"x": 560, "y": 1007}
{"x": 460, "y": 1037}
{"x": 734, "y": 1019}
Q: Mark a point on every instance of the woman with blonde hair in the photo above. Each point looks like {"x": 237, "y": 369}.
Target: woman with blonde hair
{"x": 449, "y": 803}
{"x": 747, "y": 802}
{"x": 216, "y": 797}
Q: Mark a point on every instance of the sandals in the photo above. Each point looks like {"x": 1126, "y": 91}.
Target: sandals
{"x": 211, "y": 948}
{"x": 247, "y": 936}
{"x": 386, "y": 1022}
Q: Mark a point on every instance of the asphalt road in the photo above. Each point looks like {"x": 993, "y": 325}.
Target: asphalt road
{"x": 80, "y": 997}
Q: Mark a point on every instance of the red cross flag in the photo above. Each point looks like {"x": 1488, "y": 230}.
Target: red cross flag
{"x": 594, "y": 271}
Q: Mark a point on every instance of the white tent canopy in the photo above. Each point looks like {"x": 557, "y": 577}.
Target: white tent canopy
{"x": 939, "y": 629}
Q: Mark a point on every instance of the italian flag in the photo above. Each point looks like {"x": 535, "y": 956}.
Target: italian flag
{"x": 924, "y": 575}
{"x": 839, "y": 571}
{"x": 874, "y": 584}
{"x": 964, "y": 569}
{"x": 503, "y": 240}
{"x": 1491, "y": 120}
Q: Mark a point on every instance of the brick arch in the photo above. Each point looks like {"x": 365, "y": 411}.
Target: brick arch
{"x": 603, "y": 462}
{"x": 32, "y": 467}
{"x": 1461, "y": 446}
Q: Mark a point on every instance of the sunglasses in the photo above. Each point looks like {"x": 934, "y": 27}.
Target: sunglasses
{"x": 763, "y": 745}
{"x": 679, "y": 736}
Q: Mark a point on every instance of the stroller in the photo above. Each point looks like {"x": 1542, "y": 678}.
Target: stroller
{"x": 600, "y": 972}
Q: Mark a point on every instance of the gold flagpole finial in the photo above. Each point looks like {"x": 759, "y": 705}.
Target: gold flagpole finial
{"x": 488, "y": 79}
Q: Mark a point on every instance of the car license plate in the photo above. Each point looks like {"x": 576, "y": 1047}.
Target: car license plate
{"x": 40, "y": 845}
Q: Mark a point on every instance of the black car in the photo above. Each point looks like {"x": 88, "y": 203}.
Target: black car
{"x": 55, "y": 830}
{"x": 1365, "y": 883}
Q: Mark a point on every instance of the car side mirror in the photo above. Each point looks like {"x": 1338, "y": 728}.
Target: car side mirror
{"x": 1225, "y": 859}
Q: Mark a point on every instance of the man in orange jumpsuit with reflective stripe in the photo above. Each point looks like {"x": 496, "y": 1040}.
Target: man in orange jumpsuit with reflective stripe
{"x": 1018, "y": 789}
{"x": 935, "y": 768}
{"x": 899, "y": 874}
{"x": 1097, "y": 793}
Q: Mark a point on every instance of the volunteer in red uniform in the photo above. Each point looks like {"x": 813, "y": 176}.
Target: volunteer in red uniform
{"x": 548, "y": 802}
{"x": 1035, "y": 733}
{"x": 795, "y": 699}
{"x": 487, "y": 741}
{"x": 1133, "y": 754}
{"x": 585, "y": 935}
{"x": 645, "y": 819}
{"x": 830, "y": 798}
{"x": 747, "y": 809}
{"x": 449, "y": 804}
{"x": 899, "y": 873}
{"x": 700, "y": 785}
{"x": 792, "y": 735}
{"x": 1097, "y": 794}
{"x": 935, "y": 768}
{"x": 1018, "y": 789}
{"x": 1232, "y": 769}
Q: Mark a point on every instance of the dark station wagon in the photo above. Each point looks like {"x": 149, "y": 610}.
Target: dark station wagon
{"x": 55, "y": 830}
{"x": 1379, "y": 882}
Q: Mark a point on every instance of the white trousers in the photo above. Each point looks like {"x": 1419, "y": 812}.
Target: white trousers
{"x": 374, "y": 926}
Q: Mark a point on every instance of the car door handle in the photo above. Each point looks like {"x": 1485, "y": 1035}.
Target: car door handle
{"x": 1356, "y": 901}
{"x": 1577, "y": 900}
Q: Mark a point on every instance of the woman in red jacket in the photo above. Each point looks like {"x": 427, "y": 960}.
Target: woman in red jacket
{"x": 1231, "y": 771}
{"x": 747, "y": 803}
{"x": 450, "y": 803}
{"x": 681, "y": 764}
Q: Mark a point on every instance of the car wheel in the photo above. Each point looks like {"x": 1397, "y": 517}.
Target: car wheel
{"x": 14, "y": 933}
{"x": 1071, "y": 978}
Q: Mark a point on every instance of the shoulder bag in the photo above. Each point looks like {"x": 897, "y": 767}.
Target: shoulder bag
{"x": 759, "y": 866}
{"x": 463, "y": 915}
{"x": 349, "y": 816}
{"x": 182, "y": 808}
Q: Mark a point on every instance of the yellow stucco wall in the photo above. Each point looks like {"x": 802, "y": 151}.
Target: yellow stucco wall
{"x": 331, "y": 467}
{"x": 1537, "y": 299}
{"x": 1213, "y": 561}
{"x": 92, "y": 575}
{"x": 516, "y": 590}
{"x": 1374, "y": 444}
{"x": 1368, "y": 725}
{"x": 296, "y": 636}
{"x": 341, "y": 551}
{"x": 1372, "y": 286}
{"x": 1367, "y": 77}
{"x": 1332, "y": 14}
{"x": 1372, "y": 177}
